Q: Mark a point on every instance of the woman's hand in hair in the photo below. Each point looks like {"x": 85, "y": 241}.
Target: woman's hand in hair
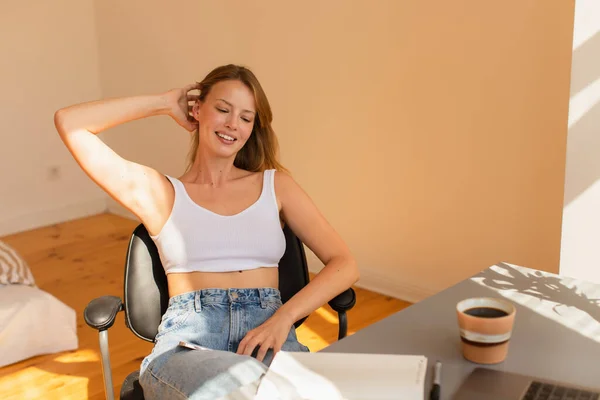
{"x": 180, "y": 103}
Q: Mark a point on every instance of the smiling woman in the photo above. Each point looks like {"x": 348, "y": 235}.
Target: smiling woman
{"x": 235, "y": 92}
{"x": 218, "y": 231}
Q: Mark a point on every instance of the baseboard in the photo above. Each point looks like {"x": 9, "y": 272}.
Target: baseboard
{"x": 115, "y": 208}
{"x": 41, "y": 218}
{"x": 389, "y": 286}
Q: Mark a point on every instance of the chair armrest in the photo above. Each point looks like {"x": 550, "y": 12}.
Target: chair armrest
{"x": 343, "y": 301}
{"x": 100, "y": 313}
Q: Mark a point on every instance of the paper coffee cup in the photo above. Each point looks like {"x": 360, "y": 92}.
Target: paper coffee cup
{"x": 485, "y": 325}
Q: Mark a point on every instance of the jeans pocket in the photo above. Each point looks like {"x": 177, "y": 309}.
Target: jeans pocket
{"x": 292, "y": 343}
{"x": 302, "y": 347}
{"x": 172, "y": 319}
{"x": 273, "y": 304}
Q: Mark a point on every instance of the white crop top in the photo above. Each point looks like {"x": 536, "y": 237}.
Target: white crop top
{"x": 196, "y": 239}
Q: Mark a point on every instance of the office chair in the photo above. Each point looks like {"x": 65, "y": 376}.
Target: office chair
{"x": 146, "y": 298}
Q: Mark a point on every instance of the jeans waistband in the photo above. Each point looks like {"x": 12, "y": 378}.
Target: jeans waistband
{"x": 225, "y": 296}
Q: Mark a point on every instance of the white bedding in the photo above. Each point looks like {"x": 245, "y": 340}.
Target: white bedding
{"x": 33, "y": 322}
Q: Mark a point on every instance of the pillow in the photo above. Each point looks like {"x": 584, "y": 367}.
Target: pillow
{"x": 13, "y": 269}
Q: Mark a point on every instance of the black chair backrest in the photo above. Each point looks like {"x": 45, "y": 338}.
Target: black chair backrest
{"x": 146, "y": 291}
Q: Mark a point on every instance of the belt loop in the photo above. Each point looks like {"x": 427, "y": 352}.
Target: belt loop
{"x": 197, "y": 302}
{"x": 261, "y": 295}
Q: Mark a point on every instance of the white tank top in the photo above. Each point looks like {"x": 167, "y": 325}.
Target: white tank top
{"x": 196, "y": 239}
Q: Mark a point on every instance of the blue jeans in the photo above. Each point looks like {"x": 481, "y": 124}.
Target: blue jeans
{"x": 217, "y": 319}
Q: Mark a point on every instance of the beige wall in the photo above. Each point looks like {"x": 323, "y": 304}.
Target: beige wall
{"x": 49, "y": 60}
{"x": 430, "y": 133}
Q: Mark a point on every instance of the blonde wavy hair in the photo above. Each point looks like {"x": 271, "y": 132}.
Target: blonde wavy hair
{"x": 261, "y": 151}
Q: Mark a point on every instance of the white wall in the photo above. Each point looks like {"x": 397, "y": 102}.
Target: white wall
{"x": 580, "y": 246}
{"x": 49, "y": 60}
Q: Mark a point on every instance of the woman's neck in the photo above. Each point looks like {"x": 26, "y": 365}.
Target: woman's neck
{"x": 211, "y": 171}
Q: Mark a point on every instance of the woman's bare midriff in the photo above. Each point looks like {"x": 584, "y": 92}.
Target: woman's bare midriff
{"x": 192, "y": 281}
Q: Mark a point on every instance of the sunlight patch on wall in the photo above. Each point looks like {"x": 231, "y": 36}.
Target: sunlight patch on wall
{"x": 583, "y": 101}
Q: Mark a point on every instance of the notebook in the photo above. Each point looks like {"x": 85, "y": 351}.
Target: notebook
{"x": 343, "y": 376}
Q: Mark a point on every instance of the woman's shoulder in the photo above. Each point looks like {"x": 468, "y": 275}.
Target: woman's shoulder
{"x": 281, "y": 176}
{"x": 285, "y": 184}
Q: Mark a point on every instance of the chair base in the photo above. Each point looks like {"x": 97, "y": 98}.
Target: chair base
{"x": 131, "y": 389}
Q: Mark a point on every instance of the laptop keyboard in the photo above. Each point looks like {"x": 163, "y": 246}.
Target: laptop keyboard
{"x": 547, "y": 391}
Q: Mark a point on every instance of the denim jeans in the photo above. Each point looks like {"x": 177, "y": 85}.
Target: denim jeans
{"x": 217, "y": 319}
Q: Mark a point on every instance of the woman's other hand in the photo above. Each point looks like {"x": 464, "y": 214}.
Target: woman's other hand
{"x": 178, "y": 102}
{"x": 272, "y": 334}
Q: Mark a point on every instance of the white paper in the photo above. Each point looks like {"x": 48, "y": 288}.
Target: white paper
{"x": 343, "y": 376}
{"x": 193, "y": 346}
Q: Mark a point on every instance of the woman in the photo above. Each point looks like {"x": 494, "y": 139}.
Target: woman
{"x": 218, "y": 229}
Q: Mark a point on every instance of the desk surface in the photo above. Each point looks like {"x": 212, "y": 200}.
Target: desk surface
{"x": 556, "y": 333}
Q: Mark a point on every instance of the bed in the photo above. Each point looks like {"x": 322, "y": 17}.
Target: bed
{"x": 32, "y": 321}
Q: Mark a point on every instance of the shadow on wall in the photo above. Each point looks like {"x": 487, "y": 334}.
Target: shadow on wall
{"x": 586, "y": 64}
{"x": 583, "y": 163}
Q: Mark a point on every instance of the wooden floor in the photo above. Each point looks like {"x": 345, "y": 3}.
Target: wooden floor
{"x": 80, "y": 260}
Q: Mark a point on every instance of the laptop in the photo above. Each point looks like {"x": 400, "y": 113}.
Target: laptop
{"x": 490, "y": 384}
